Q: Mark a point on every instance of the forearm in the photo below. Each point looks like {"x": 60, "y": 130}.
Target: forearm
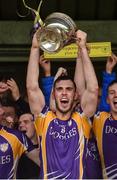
{"x": 79, "y": 75}
{"x": 33, "y": 68}
{"x": 89, "y": 73}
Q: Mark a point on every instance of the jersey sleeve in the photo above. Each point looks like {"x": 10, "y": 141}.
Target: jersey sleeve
{"x": 98, "y": 122}
{"x": 40, "y": 121}
{"x": 87, "y": 125}
{"x": 85, "y": 122}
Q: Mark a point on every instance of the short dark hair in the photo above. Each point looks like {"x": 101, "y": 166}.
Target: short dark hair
{"x": 64, "y": 77}
{"x": 113, "y": 82}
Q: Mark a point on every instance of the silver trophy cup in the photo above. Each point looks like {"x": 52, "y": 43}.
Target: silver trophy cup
{"x": 57, "y": 32}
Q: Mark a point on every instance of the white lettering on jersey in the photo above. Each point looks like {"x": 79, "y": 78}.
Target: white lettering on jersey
{"x": 5, "y": 159}
{"x": 110, "y": 130}
{"x": 67, "y": 135}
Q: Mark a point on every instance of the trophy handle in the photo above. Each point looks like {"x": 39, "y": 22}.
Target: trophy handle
{"x": 71, "y": 38}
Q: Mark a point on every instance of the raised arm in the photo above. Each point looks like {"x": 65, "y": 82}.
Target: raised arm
{"x": 13, "y": 88}
{"x": 35, "y": 95}
{"x": 21, "y": 105}
{"x": 79, "y": 74}
{"x": 89, "y": 96}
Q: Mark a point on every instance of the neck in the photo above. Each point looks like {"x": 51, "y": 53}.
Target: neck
{"x": 114, "y": 115}
{"x": 63, "y": 116}
{"x": 34, "y": 140}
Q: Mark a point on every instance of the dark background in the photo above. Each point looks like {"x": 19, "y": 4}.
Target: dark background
{"x": 77, "y": 9}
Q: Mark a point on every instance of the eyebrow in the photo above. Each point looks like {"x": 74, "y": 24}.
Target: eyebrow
{"x": 111, "y": 90}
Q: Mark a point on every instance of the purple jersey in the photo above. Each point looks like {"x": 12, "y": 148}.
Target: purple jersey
{"x": 62, "y": 145}
{"x": 93, "y": 168}
{"x": 12, "y": 145}
{"x": 105, "y": 129}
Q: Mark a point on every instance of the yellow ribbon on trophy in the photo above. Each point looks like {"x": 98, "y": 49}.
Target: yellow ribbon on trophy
{"x": 36, "y": 12}
{"x": 96, "y": 49}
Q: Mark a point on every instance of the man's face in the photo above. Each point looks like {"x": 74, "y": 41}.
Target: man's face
{"x": 64, "y": 94}
{"x": 8, "y": 117}
{"x": 26, "y": 125}
{"x": 112, "y": 97}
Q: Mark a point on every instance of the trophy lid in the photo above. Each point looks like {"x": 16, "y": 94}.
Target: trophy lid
{"x": 60, "y": 20}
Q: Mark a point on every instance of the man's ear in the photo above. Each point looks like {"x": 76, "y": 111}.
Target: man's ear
{"x": 76, "y": 96}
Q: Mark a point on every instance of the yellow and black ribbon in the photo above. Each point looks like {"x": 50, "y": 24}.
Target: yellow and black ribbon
{"x": 37, "y": 19}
